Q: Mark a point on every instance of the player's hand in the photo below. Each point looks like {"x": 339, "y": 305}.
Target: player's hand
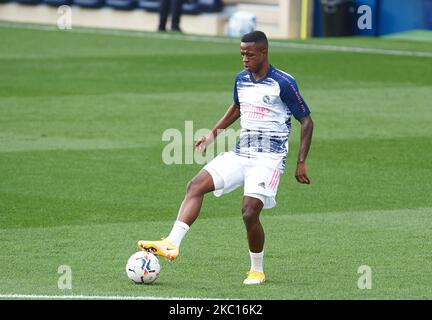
{"x": 301, "y": 174}
{"x": 201, "y": 144}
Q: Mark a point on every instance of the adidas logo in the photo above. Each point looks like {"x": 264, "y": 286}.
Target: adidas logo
{"x": 262, "y": 184}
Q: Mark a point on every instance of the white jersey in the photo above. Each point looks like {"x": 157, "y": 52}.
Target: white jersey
{"x": 266, "y": 107}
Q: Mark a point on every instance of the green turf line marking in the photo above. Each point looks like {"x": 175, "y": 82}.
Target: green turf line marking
{"x": 194, "y": 38}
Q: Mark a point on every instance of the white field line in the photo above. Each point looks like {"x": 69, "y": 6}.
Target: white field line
{"x": 84, "y": 297}
{"x": 182, "y": 37}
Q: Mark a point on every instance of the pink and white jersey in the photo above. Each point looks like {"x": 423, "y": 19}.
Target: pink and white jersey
{"x": 266, "y": 107}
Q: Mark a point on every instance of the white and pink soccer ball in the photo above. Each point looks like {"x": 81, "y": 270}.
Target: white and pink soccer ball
{"x": 143, "y": 267}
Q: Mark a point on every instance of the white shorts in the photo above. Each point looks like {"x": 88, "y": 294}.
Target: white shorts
{"x": 229, "y": 171}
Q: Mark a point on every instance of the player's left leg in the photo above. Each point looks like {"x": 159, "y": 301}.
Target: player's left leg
{"x": 251, "y": 210}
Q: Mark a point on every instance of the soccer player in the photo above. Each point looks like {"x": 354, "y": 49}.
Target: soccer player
{"x": 265, "y": 98}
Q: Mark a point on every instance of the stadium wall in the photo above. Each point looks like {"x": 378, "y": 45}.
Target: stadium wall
{"x": 278, "y": 18}
{"x": 140, "y": 20}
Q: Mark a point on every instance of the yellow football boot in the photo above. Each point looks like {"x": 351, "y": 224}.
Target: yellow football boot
{"x": 254, "y": 277}
{"x": 162, "y": 248}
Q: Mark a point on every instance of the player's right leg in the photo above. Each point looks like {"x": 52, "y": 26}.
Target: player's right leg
{"x": 190, "y": 208}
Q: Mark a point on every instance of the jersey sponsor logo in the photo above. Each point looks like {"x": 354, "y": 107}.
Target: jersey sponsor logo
{"x": 253, "y": 112}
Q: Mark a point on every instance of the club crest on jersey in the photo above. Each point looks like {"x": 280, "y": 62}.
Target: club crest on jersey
{"x": 269, "y": 100}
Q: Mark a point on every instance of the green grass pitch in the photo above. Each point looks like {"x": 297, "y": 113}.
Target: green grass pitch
{"x": 82, "y": 177}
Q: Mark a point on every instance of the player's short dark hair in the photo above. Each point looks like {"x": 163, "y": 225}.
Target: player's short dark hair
{"x": 257, "y": 37}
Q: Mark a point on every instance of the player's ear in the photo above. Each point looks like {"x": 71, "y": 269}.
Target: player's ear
{"x": 263, "y": 48}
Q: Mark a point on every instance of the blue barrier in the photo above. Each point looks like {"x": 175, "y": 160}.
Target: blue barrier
{"x": 401, "y": 15}
{"x": 202, "y": 6}
{"x": 189, "y": 6}
{"x": 122, "y": 4}
{"x": 388, "y": 16}
{"x": 57, "y": 3}
{"x": 29, "y": 1}
{"x": 149, "y": 5}
{"x": 90, "y": 3}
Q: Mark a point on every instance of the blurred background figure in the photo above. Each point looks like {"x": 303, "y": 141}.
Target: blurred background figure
{"x": 175, "y": 6}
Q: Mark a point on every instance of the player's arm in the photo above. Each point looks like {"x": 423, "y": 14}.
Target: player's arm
{"x": 230, "y": 116}
{"x": 305, "y": 142}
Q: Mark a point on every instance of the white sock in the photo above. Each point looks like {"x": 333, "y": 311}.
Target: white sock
{"x": 178, "y": 231}
{"x": 257, "y": 261}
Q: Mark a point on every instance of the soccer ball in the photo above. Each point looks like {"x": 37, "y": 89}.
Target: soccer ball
{"x": 143, "y": 267}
